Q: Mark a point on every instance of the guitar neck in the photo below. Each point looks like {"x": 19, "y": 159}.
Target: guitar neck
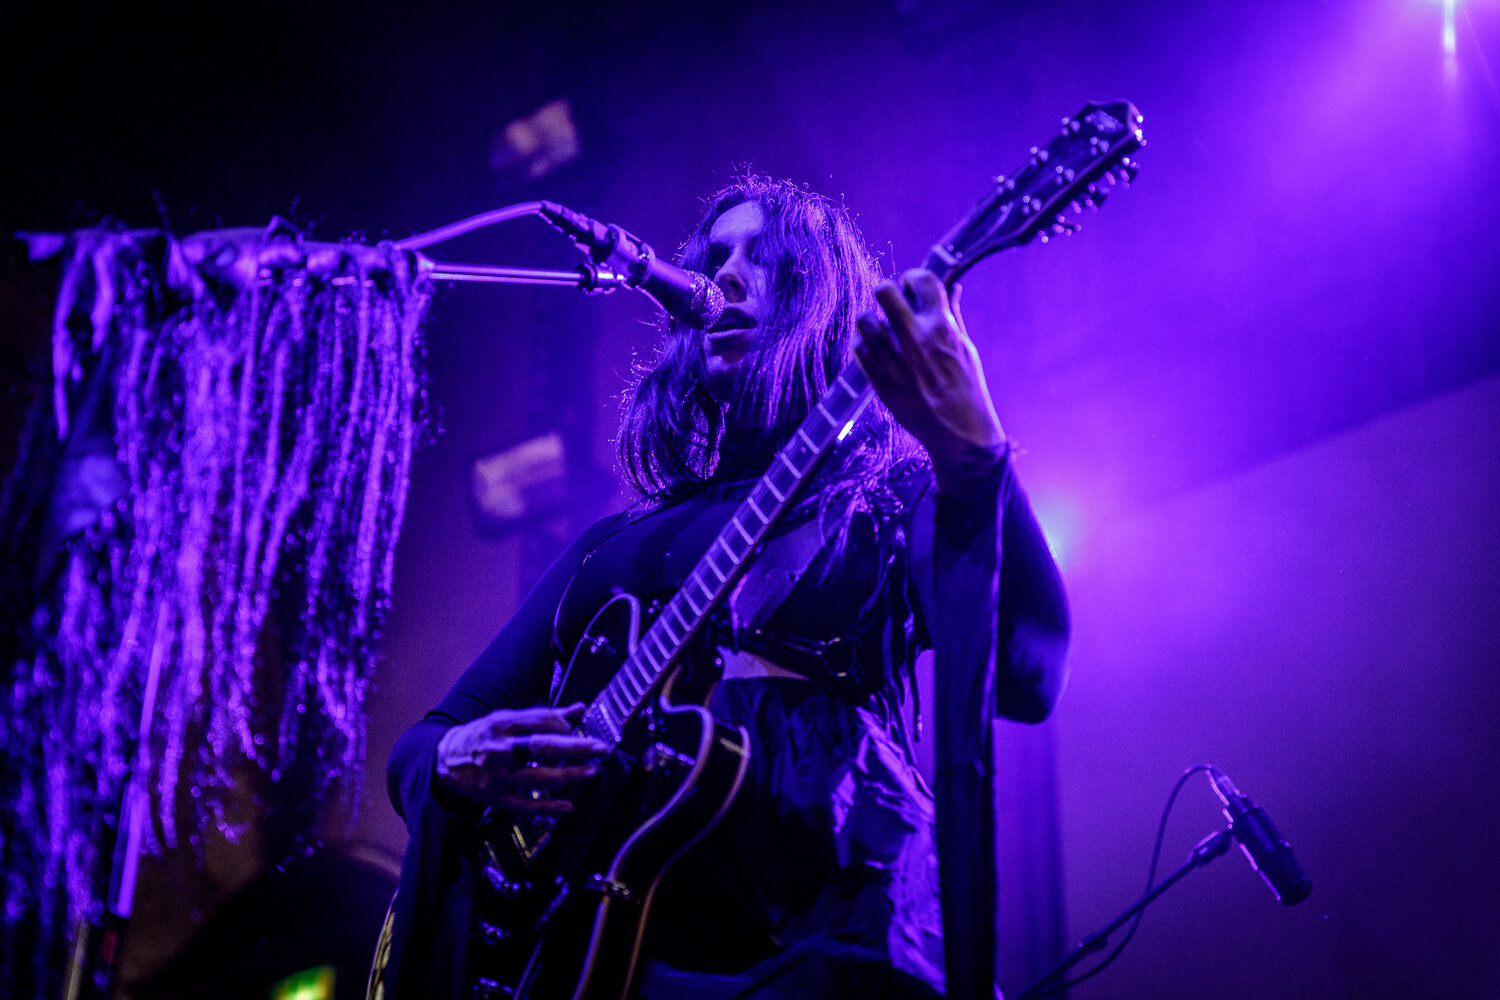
{"x": 1091, "y": 147}
{"x": 727, "y": 558}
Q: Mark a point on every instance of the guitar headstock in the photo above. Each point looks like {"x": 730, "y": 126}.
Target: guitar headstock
{"x": 1077, "y": 168}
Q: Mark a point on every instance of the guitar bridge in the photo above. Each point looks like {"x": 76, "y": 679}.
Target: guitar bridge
{"x": 611, "y": 888}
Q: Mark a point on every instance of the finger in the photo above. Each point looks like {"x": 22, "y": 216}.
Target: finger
{"x": 547, "y": 748}
{"x": 954, "y": 295}
{"x": 553, "y": 720}
{"x": 508, "y": 722}
{"x": 876, "y": 351}
{"x": 876, "y": 333}
{"x": 893, "y": 303}
{"x": 924, "y": 290}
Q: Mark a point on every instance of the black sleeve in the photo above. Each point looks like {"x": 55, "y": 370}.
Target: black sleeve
{"x": 983, "y": 539}
{"x": 431, "y": 911}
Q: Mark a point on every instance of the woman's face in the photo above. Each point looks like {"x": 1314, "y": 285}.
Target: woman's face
{"x": 747, "y": 291}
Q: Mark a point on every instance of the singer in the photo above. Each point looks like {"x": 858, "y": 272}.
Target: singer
{"x": 820, "y": 879}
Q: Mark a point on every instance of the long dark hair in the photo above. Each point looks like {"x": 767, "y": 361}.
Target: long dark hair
{"x": 675, "y": 437}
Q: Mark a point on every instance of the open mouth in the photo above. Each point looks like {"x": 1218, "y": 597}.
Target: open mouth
{"x": 733, "y": 319}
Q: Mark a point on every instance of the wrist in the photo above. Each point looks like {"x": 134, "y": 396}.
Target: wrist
{"x": 973, "y": 466}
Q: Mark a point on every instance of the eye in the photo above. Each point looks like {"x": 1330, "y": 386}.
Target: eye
{"x": 717, "y": 255}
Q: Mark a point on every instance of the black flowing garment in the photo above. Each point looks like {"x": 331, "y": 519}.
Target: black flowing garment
{"x": 821, "y": 881}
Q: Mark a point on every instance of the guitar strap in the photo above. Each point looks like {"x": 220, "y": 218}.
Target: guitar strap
{"x": 774, "y": 572}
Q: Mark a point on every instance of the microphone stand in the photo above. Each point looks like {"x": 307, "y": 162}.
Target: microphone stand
{"x": 589, "y": 276}
{"x": 1210, "y": 847}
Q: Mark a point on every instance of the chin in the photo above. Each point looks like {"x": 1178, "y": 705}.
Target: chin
{"x": 718, "y": 376}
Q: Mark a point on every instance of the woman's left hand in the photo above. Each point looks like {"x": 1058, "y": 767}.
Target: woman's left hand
{"x": 924, "y": 367}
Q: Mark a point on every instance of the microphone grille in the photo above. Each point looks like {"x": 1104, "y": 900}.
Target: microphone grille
{"x": 707, "y": 303}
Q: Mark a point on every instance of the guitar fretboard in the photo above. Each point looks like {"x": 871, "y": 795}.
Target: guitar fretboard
{"x": 721, "y": 567}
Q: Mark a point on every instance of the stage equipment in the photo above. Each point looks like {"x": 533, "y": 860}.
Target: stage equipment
{"x": 1268, "y": 853}
{"x": 689, "y": 296}
{"x": 1265, "y": 848}
{"x": 532, "y": 147}
{"x": 199, "y": 537}
{"x": 512, "y": 487}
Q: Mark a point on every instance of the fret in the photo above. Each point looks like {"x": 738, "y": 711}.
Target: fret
{"x": 749, "y": 539}
{"x": 632, "y": 687}
{"x": 662, "y": 655}
{"x": 843, "y": 383}
{"x": 607, "y": 714}
{"x": 629, "y": 695}
{"x": 775, "y": 479}
{"x": 808, "y": 456}
{"x": 666, "y": 627}
{"x": 622, "y": 697}
{"x": 752, "y": 505}
{"x": 618, "y": 702}
{"x": 672, "y": 606}
{"x": 640, "y": 657}
{"x": 708, "y": 592}
{"x": 802, "y": 433}
{"x": 644, "y": 678}
{"x": 708, "y": 561}
{"x": 786, "y": 461}
{"x": 734, "y": 557}
{"x": 833, "y": 422}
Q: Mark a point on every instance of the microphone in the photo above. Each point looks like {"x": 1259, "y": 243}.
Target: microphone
{"x": 1269, "y": 854}
{"x": 688, "y": 296}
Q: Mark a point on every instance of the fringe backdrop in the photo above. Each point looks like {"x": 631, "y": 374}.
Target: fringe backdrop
{"x": 202, "y": 524}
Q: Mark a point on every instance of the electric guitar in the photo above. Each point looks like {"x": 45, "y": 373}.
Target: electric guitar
{"x": 562, "y": 904}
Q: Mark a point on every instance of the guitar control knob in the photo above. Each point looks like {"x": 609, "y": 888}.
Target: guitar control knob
{"x": 488, "y": 989}
{"x": 499, "y": 883}
{"x": 489, "y": 935}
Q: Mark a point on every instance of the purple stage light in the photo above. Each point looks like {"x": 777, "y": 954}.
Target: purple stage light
{"x": 1062, "y": 524}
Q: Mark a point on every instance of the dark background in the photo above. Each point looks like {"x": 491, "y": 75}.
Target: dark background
{"x": 1257, "y": 393}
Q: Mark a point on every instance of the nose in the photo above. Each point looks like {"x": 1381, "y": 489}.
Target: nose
{"x": 730, "y": 279}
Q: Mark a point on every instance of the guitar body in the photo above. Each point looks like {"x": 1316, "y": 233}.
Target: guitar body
{"x": 562, "y": 905}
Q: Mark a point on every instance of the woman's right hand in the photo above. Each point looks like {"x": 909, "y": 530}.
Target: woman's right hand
{"x": 519, "y": 760}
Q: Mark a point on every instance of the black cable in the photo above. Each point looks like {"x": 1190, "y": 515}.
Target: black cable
{"x": 1161, "y": 831}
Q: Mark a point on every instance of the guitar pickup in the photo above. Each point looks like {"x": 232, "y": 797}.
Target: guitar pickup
{"x": 662, "y": 756}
